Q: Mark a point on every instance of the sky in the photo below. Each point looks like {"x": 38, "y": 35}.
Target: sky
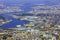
{"x": 30, "y": 1}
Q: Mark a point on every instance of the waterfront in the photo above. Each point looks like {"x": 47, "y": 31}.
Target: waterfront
{"x": 30, "y": 22}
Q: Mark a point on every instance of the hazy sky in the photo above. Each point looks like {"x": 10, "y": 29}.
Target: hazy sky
{"x": 30, "y": 1}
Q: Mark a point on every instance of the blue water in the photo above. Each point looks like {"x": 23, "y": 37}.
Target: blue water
{"x": 27, "y": 7}
{"x": 13, "y": 23}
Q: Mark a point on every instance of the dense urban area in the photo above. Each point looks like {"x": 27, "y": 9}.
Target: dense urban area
{"x": 34, "y": 22}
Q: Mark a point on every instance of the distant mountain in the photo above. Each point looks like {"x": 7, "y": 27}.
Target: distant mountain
{"x": 49, "y": 2}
